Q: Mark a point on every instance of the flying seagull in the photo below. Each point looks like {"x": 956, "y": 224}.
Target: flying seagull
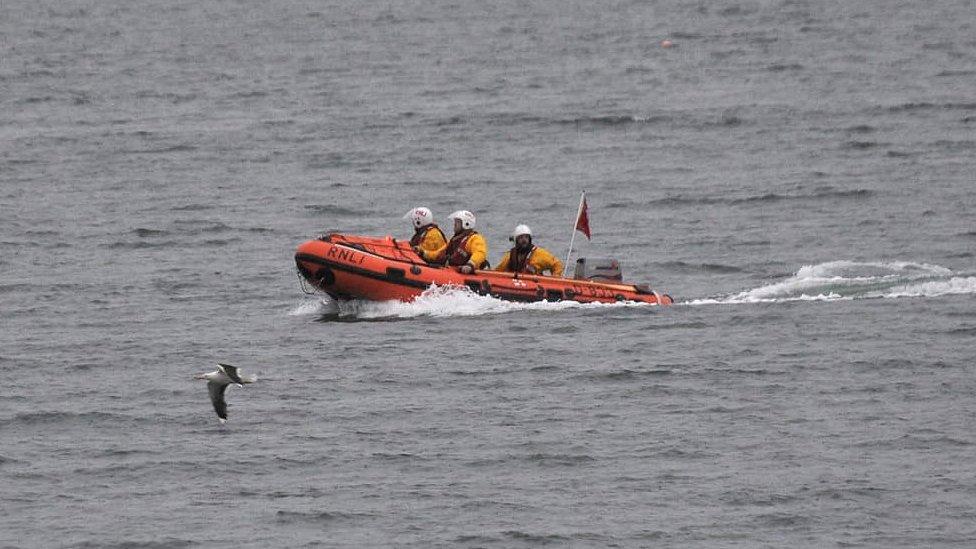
{"x": 217, "y": 382}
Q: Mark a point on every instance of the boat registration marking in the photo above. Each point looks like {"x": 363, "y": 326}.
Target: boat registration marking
{"x": 593, "y": 291}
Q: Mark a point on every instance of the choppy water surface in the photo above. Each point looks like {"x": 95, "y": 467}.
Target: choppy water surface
{"x": 797, "y": 174}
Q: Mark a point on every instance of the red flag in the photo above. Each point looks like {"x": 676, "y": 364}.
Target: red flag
{"x": 583, "y": 221}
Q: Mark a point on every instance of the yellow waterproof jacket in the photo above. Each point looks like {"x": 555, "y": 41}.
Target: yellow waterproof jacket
{"x": 465, "y": 247}
{"x": 539, "y": 260}
{"x": 429, "y": 241}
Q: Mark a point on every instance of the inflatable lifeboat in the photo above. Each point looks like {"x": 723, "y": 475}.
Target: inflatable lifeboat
{"x": 384, "y": 268}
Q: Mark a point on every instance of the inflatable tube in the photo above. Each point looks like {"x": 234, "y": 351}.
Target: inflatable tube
{"x": 383, "y": 269}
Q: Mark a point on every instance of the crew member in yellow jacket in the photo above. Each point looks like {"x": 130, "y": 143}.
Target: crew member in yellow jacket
{"x": 428, "y": 239}
{"x": 467, "y": 249}
{"x": 526, "y": 257}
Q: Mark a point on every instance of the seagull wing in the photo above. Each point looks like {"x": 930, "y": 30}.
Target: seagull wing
{"x": 217, "y": 397}
{"x": 231, "y": 372}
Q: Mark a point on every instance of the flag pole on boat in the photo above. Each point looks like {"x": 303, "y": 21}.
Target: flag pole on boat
{"x": 582, "y": 223}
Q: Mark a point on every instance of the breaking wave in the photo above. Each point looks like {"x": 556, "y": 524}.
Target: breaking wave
{"x": 436, "y": 301}
{"x": 837, "y": 280}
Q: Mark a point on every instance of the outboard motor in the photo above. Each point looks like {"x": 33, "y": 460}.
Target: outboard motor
{"x": 597, "y": 269}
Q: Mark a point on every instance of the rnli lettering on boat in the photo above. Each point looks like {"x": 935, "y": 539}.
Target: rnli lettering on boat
{"x": 345, "y": 254}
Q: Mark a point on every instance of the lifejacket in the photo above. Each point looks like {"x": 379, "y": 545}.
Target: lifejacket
{"x": 516, "y": 262}
{"x": 421, "y": 233}
{"x": 457, "y": 253}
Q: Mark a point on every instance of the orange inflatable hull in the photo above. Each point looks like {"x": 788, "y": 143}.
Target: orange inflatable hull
{"x": 384, "y": 269}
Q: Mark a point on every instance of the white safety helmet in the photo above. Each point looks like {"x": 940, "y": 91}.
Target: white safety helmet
{"x": 466, "y": 217}
{"x": 519, "y": 231}
{"x": 420, "y": 216}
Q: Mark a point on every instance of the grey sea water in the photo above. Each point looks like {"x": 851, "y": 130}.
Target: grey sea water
{"x": 798, "y": 174}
